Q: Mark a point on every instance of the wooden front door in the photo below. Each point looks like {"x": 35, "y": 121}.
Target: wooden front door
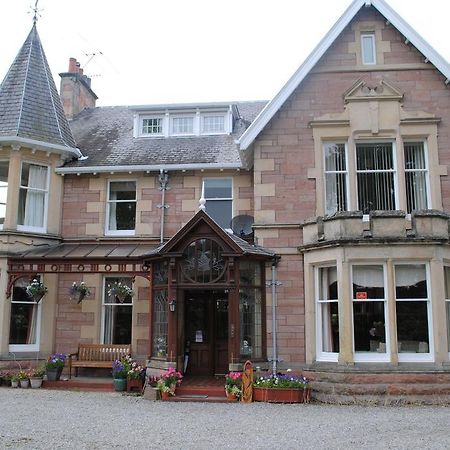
{"x": 206, "y": 332}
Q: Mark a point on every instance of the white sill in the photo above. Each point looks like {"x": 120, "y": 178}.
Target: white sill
{"x": 415, "y": 357}
{"x": 31, "y": 229}
{"x": 371, "y": 357}
{"x": 327, "y": 357}
{"x": 151, "y": 135}
{"x": 18, "y": 348}
{"x": 120, "y": 233}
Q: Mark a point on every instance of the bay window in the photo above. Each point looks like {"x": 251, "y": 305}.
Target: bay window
{"x": 416, "y": 176}
{"x": 412, "y": 309}
{"x": 121, "y": 208}
{"x": 327, "y": 310}
{"x": 4, "y": 168}
{"x": 117, "y": 314}
{"x": 369, "y": 312}
{"x": 335, "y": 178}
{"x": 33, "y": 198}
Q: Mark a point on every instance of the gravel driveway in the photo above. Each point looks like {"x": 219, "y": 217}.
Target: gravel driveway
{"x": 42, "y": 419}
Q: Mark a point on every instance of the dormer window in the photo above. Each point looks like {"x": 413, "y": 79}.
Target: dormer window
{"x": 213, "y": 124}
{"x": 152, "y": 125}
{"x": 183, "y": 125}
{"x": 368, "y": 51}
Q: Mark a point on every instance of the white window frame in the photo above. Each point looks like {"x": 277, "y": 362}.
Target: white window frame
{"x": 447, "y": 306}
{"x": 146, "y": 117}
{"x": 320, "y": 354}
{"x": 369, "y": 35}
{"x": 7, "y": 188}
{"x": 325, "y": 172}
{"x": 418, "y": 357}
{"x": 394, "y": 170}
{"x": 183, "y": 116}
{"x": 109, "y": 232}
{"x": 372, "y": 356}
{"x": 426, "y": 170}
{"x": 220, "y": 198}
{"x": 212, "y": 114}
{"x": 104, "y": 305}
{"x": 13, "y": 348}
{"x": 42, "y": 229}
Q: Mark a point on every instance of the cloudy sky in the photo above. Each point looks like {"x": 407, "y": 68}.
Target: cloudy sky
{"x": 153, "y": 51}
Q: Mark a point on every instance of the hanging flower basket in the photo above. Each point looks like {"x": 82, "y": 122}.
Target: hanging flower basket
{"x": 36, "y": 290}
{"x": 78, "y": 291}
{"x": 120, "y": 291}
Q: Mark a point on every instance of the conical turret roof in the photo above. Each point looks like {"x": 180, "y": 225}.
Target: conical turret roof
{"x": 30, "y": 107}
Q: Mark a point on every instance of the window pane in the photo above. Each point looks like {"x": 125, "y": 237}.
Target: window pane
{"x": 368, "y": 48}
{"x": 122, "y": 216}
{"x": 213, "y": 124}
{"x": 412, "y": 327}
{"x": 369, "y": 327}
{"x": 336, "y": 192}
{"x": 34, "y": 176}
{"x": 152, "y": 126}
{"x": 159, "y": 347}
{"x": 375, "y": 176}
{"x": 122, "y": 190}
{"x": 330, "y": 326}
{"x": 182, "y": 125}
{"x": 217, "y": 188}
{"x": 415, "y": 176}
{"x": 411, "y": 281}
{"x": 251, "y": 323}
{"x": 220, "y": 211}
{"x": 368, "y": 282}
{"x": 4, "y": 167}
{"x": 250, "y": 273}
{"x": 328, "y": 283}
{"x": 335, "y": 157}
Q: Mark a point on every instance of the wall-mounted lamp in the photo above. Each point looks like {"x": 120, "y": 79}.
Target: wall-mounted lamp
{"x": 173, "y": 305}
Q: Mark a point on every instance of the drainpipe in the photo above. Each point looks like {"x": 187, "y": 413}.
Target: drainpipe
{"x": 163, "y": 187}
{"x": 274, "y": 283}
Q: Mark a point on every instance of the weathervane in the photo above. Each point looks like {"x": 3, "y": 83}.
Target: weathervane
{"x": 35, "y": 11}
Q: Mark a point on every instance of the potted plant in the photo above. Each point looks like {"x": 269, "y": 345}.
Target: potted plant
{"x": 36, "y": 376}
{"x": 282, "y": 388}
{"x": 54, "y": 366}
{"x": 119, "y": 373}
{"x": 135, "y": 376}
{"x": 24, "y": 382}
{"x": 233, "y": 385}
{"x": 168, "y": 382}
{"x": 6, "y": 376}
{"x": 36, "y": 290}
{"x": 78, "y": 291}
{"x": 120, "y": 291}
{"x": 15, "y": 379}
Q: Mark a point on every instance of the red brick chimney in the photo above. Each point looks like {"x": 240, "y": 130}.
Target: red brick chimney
{"x": 76, "y": 93}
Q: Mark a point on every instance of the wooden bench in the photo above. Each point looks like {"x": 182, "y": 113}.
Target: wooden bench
{"x": 99, "y": 356}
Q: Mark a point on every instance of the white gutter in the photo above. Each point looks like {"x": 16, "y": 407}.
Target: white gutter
{"x": 147, "y": 168}
{"x": 39, "y": 145}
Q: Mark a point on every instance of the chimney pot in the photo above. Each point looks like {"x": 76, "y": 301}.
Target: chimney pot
{"x": 73, "y": 65}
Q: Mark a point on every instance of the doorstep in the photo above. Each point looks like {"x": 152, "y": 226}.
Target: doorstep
{"x": 89, "y": 384}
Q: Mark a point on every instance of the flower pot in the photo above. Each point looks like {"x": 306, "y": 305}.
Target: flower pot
{"x": 120, "y": 384}
{"x": 165, "y": 395}
{"x": 25, "y": 383}
{"x": 78, "y": 296}
{"x": 277, "y": 395}
{"x": 134, "y": 384}
{"x": 54, "y": 374}
{"x": 36, "y": 382}
{"x": 231, "y": 397}
{"x": 38, "y": 297}
{"x": 14, "y": 383}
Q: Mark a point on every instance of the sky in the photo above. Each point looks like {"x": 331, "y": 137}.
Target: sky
{"x": 176, "y": 51}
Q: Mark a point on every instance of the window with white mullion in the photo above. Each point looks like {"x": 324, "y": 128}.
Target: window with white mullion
{"x": 335, "y": 156}
{"x": 447, "y": 302}
{"x": 327, "y": 310}
{"x": 416, "y": 176}
{"x": 375, "y": 172}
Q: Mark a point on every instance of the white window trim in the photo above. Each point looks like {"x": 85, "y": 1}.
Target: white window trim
{"x": 229, "y": 230}
{"x": 6, "y": 204}
{"x": 426, "y": 170}
{"x": 371, "y": 35}
{"x": 151, "y": 135}
{"x": 109, "y": 232}
{"x": 46, "y": 192}
{"x": 182, "y": 116}
{"x": 29, "y": 347}
{"x": 447, "y": 304}
{"x": 372, "y": 356}
{"x": 394, "y": 170}
{"x": 346, "y": 172}
{"x": 418, "y": 357}
{"x": 213, "y": 114}
{"x": 104, "y": 304}
{"x": 321, "y": 355}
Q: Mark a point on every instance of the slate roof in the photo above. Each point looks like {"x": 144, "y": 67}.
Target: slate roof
{"x": 30, "y": 106}
{"x": 105, "y": 136}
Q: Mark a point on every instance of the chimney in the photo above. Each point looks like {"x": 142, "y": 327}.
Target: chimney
{"x": 76, "y": 93}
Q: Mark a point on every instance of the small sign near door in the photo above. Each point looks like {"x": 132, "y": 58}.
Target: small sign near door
{"x": 199, "y": 336}
{"x": 361, "y": 296}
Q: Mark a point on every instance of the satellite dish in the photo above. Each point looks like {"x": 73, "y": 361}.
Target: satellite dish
{"x": 242, "y": 225}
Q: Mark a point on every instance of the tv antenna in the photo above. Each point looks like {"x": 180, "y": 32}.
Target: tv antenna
{"x": 91, "y": 56}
